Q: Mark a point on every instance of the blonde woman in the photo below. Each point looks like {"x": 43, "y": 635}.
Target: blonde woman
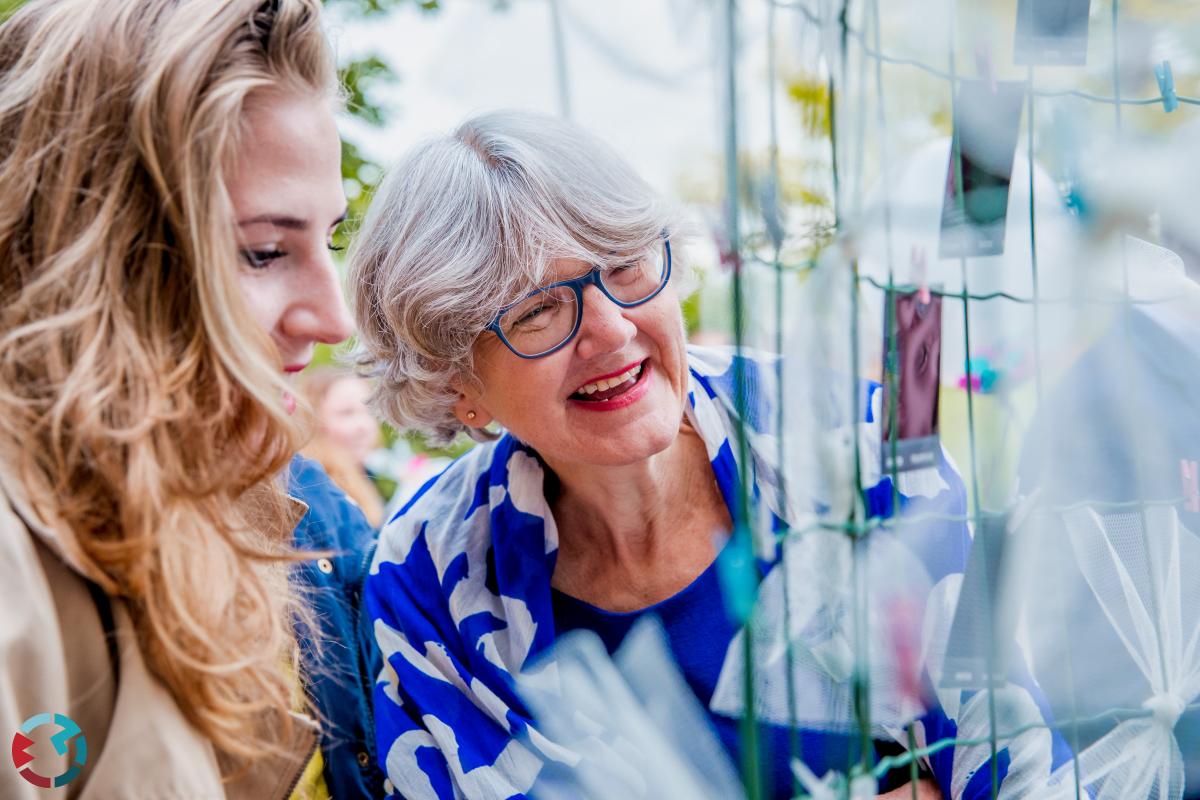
{"x": 169, "y": 183}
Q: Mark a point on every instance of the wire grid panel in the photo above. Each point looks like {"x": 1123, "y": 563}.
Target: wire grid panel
{"x": 1065, "y": 647}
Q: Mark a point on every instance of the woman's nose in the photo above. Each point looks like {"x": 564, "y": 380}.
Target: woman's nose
{"x": 604, "y": 328}
{"x": 318, "y": 312}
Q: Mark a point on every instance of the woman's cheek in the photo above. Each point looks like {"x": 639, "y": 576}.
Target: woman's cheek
{"x": 264, "y": 299}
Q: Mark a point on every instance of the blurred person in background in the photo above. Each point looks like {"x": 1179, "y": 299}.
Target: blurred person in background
{"x": 346, "y": 434}
{"x": 169, "y": 186}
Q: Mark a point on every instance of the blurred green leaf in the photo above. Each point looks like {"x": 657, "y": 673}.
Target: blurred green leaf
{"x": 691, "y": 312}
{"x": 360, "y": 177}
{"x": 811, "y": 95}
{"x": 374, "y": 7}
{"x": 8, "y": 7}
{"x": 359, "y": 79}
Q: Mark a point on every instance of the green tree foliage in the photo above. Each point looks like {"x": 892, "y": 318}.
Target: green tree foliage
{"x": 369, "y": 7}
{"x": 362, "y": 78}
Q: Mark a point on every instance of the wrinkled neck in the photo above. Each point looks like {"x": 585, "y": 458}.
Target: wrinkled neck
{"x": 630, "y": 512}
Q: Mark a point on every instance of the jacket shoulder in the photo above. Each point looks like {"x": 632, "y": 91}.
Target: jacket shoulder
{"x": 34, "y": 679}
{"x": 333, "y": 521}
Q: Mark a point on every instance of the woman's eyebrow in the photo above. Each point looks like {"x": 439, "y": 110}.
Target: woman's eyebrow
{"x": 278, "y": 220}
{"x": 288, "y": 222}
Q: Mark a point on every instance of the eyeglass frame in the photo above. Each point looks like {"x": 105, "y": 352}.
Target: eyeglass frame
{"x": 577, "y": 285}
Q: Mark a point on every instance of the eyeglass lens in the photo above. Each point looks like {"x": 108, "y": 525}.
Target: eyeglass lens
{"x": 546, "y": 318}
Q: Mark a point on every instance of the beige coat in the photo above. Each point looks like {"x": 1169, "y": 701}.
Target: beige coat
{"x": 54, "y": 658}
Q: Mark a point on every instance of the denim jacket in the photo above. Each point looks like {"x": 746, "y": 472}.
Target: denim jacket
{"x": 340, "y": 667}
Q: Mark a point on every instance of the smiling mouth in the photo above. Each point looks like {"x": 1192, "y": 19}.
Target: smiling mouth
{"x": 611, "y": 388}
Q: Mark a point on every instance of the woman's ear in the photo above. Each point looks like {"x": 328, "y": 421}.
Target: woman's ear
{"x": 470, "y": 412}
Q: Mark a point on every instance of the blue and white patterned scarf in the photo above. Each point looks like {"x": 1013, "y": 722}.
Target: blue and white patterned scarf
{"x": 460, "y": 601}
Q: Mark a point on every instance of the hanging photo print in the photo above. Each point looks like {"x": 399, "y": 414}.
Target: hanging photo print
{"x": 987, "y": 118}
{"x": 977, "y": 654}
{"x": 912, "y": 349}
{"x": 1052, "y": 32}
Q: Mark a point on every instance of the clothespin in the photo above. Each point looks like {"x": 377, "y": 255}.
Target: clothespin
{"x": 981, "y": 375}
{"x": 919, "y": 276}
{"x": 1191, "y": 485}
{"x": 728, "y": 258}
{"x": 983, "y": 63}
{"x": 1166, "y": 86}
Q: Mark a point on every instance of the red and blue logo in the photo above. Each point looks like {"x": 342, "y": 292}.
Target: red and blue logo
{"x": 68, "y": 732}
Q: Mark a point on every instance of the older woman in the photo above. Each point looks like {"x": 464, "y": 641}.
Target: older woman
{"x": 517, "y": 276}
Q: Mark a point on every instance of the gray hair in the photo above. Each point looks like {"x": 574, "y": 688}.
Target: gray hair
{"x": 468, "y": 223}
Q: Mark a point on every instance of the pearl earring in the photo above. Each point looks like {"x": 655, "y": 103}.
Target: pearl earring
{"x": 470, "y": 415}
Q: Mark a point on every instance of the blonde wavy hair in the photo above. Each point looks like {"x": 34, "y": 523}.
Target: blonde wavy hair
{"x": 139, "y": 401}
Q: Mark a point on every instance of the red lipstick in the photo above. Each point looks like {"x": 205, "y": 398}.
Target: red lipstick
{"x": 635, "y": 393}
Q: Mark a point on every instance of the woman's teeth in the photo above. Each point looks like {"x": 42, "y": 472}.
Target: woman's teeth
{"x": 609, "y": 383}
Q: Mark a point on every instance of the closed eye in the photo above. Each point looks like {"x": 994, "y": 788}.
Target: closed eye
{"x": 532, "y": 313}
{"x": 624, "y": 274}
{"x": 261, "y": 259}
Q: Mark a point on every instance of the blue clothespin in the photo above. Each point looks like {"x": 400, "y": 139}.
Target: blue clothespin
{"x": 1166, "y": 85}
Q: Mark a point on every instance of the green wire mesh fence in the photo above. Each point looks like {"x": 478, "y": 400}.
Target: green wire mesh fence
{"x": 1119, "y": 550}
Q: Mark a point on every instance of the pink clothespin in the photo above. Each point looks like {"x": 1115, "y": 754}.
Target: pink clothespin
{"x": 1190, "y": 473}
{"x": 983, "y": 62}
{"x": 919, "y": 276}
{"x": 728, "y": 258}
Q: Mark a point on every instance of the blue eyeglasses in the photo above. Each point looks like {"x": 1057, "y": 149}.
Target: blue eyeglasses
{"x": 546, "y": 319}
